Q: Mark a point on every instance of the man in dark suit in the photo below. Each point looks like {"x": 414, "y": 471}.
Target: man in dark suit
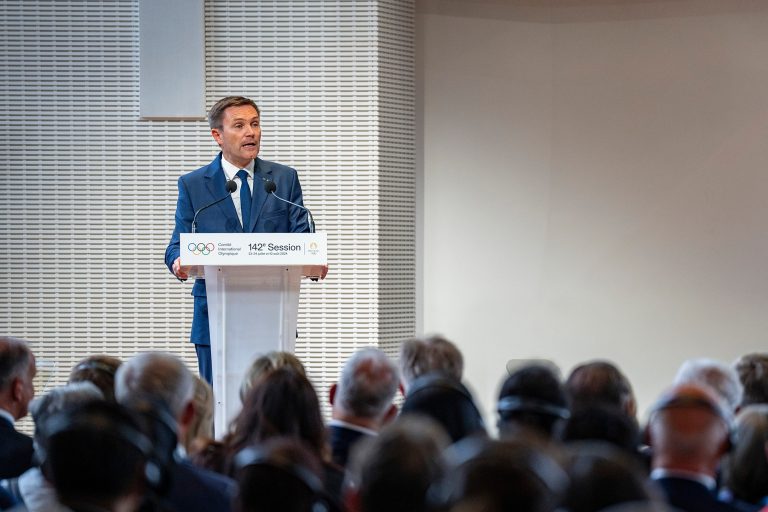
{"x": 689, "y": 432}
{"x": 160, "y": 387}
{"x": 236, "y": 127}
{"x": 361, "y": 400}
{"x": 17, "y": 370}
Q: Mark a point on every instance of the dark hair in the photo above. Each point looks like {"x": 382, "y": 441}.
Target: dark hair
{"x": 216, "y": 113}
{"x": 532, "y": 397}
{"x": 603, "y": 423}
{"x": 15, "y": 357}
{"x": 598, "y": 382}
{"x": 99, "y": 369}
{"x": 601, "y": 476}
{"x": 753, "y": 374}
{"x": 280, "y": 474}
{"x": 94, "y": 454}
{"x": 745, "y": 468}
{"x": 283, "y": 403}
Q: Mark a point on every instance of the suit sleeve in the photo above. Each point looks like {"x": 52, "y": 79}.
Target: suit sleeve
{"x": 298, "y": 218}
{"x": 183, "y": 217}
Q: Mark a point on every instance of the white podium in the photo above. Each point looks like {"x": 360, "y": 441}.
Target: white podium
{"x": 252, "y": 282}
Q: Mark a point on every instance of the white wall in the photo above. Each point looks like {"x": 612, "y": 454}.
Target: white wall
{"x": 593, "y": 183}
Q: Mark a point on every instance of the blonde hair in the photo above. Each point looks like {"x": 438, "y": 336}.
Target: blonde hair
{"x": 265, "y": 364}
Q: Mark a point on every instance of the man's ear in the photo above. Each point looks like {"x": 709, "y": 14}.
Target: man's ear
{"x": 17, "y": 389}
{"x": 332, "y": 394}
{"x": 216, "y": 133}
{"x": 187, "y": 414}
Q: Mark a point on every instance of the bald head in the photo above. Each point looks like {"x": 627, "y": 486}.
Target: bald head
{"x": 689, "y": 429}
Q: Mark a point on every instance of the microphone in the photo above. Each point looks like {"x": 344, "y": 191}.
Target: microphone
{"x": 231, "y": 187}
{"x": 270, "y": 187}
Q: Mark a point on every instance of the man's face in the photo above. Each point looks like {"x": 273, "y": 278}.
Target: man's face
{"x": 240, "y": 134}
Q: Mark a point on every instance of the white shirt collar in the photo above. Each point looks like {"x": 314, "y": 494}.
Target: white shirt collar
{"x": 230, "y": 169}
{"x": 705, "y": 480}
{"x": 8, "y": 416}
{"x": 352, "y": 426}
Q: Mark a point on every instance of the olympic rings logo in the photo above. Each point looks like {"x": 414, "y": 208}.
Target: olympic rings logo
{"x": 201, "y": 248}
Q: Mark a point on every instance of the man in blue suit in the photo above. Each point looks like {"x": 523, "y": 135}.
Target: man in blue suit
{"x": 236, "y": 128}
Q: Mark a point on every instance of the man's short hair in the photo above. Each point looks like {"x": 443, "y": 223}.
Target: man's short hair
{"x": 15, "y": 358}
{"x": 720, "y": 377}
{"x": 216, "y": 114}
{"x": 60, "y": 399}
{"x": 100, "y": 370}
{"x": 368, "y": 383}
{"x": 157, "y": 376}
{"x": 432, "y": 354}
{"x": 753, "y": 374}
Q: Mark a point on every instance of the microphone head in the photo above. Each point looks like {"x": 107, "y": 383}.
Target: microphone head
{"x": 231, "y": 186}
{"x": 269, "y": 186}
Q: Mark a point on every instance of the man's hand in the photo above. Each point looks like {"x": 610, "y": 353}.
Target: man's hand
{"x": 179, "y": 271}
{"x": 324, "y": 272}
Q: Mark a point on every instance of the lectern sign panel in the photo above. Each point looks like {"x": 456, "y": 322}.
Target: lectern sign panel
{"x": 253, "y": 249}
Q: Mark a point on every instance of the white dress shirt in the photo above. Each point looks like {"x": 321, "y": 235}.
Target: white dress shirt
{"x": 230, "y": 171}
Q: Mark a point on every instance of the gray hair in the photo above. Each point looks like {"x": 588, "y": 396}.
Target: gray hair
{"x": 432, "y": 354}
{"x": 156, "y": 375}
{"x": 718, "y": 376}
{"x": 15, "y": 358}
{"x": 368, "y": 383}
{"x": 61, "y": 399}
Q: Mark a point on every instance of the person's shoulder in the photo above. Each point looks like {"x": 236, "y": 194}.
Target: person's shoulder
{"x": 206, "y": 476}
{"x": 274, "y": 167}
{"x": 202, "y": 171}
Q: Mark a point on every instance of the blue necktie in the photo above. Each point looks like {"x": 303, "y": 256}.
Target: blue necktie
{"x": 245, "y": 198}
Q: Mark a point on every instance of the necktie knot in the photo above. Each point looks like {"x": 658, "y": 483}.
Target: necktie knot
{"x": 245, "y": 198}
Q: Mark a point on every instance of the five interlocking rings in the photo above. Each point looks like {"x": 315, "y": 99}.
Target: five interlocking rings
{"x": 201, "y": 248}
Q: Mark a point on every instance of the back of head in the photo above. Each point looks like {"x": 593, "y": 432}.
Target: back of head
{"x": 265, "y": 364}
{"x": 433, "y": 354}
{"x": 602, "y": 423}
{"x": 95, "y": 456}
{"x": 99, "y": 369}
{"x": 601, "y": 476}
{"x": 156, "y": 376}
{"x": 745, "y": 468}
{"x": 600, "y": 382}
{"x": 367, "y": 385}
{"x": 532, "y": 397}
{"x": 17, "y": 368}
{"x": 61, "y": 399}
{"x": 753, "y": 375}
{"x": 280, "y": 474}
{"x": 688, "y": 429}
{"x": 447, "y": 402}
{"x": 394, "y": 470}
{"x": 284, "y": 403}
{"x": 201, "y": 426}
{"x": 722, "y": 378}
{"x": 497, "y": 476}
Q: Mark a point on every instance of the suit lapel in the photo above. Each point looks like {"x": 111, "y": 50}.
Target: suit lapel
{"x": 261, "y": 172}
{"x": 216, "y": 183}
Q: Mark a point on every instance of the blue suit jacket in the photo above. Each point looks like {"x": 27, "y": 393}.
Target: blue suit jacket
{"x": 268, "y": 215}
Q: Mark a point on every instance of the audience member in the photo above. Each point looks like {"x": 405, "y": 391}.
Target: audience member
{"x": 95, "y": 456}
{"x": 532, "y": 400}
{"x": 745, "y": 467}
{"x": 445, "y": 400}
{"x": 361, "y": 400}
{"x": 99, "y": 369}
{"x": 266, "y": 363}
{"x": 753, "y": 375}
{"x": 200, "y": 428}
{"x": 394, "y": 471}
{"x": 688, "y": 431}
{"x": 600, "y": 382}
{"x": 601, "y": 475}
{"x": 161, "y": 387}
{"x": 499, "y": 476}
{"x": 721, "y": 378}
{"x": 17, "y": 371}
{"x": 38, "y": 494}
{"x": 283, "y": 404}
{"x": 280, "y": 474}
{"x": 429, "y": 355}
